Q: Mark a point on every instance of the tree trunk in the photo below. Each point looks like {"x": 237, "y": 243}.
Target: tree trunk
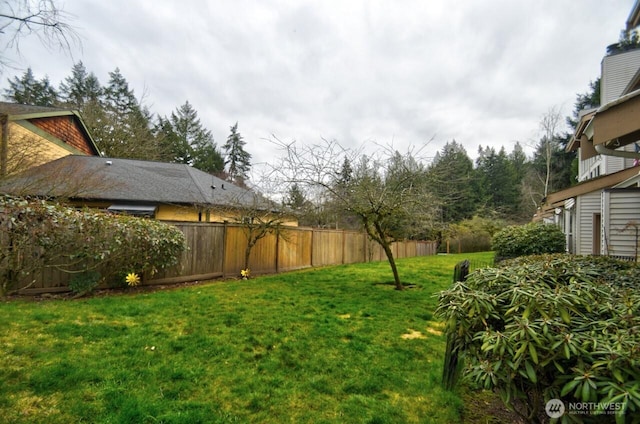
{"x": 247, "y": 253}
{"x": 394, "y": 268}
{"x": 376, "y": 233}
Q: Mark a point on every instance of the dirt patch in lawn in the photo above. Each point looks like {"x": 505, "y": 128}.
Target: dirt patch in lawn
{"x": 485, "y": 407}
{"x": 413, "y": 334}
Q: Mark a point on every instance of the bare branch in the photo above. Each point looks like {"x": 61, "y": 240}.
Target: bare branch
{"x": 42, "y": 18}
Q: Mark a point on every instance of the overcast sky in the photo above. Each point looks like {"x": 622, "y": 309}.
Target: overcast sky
{"x": 390, "y": 72}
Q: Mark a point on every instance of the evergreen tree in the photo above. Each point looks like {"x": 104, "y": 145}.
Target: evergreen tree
{"x": 208, "y": 159}
{"x": 588, "y": 100}
{"x": 346, "y": 172}
{"x": 523, "y": 169}
{"x": 519, "y": 161}
{"x": 450, "y": 177}
{"x": 498, "y": 180}
{"x": 188, "y": 141}
{"x": 295, "y": 199}
{"x": 119, "y": 99}
{"x": 238, "y": 161}
{"x": 80, "y": 88}
{"x": 28, "y": 90}
{"x": 560, "y": 170}
{"x": 124, "y": 126}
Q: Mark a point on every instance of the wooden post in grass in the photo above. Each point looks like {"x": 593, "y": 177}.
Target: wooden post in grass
{"x": 451, "y": 369}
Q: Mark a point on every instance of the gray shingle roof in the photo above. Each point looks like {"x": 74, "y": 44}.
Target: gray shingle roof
{"x": 127, "y": 180}
{"x": 19, "y": 109}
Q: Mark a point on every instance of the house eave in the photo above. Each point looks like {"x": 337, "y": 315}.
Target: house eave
{"x": 54, "y": 114}
{"x": 616, "y": 123}
{"x": 557, "y": 198}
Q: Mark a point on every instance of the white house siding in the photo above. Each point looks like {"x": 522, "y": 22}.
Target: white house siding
{"x": 623, "y": 218}
{"x": 602, "y": 164}
{"x": 587, "y": 205}
{"x": 617, "y": 71}
{"x": 612, "y": 164}
{"x": 568, "y": 225}
{"x": 587, "y": 167}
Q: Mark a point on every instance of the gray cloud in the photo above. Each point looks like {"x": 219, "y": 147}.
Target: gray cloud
{"x": 394, "y": 72}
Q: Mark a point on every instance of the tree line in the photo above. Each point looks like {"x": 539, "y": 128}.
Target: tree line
{"x": 501, "y": 185}
{"x": 397, "y": 196}
{"x": 122, "y": 125}
{"x": 391, "y": 196}
{"x": 498, "y": 185}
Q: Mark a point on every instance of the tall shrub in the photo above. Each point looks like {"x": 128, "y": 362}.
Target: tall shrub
{"x": 529, "y": 239}
{"x": 35, "y": 234}
{"x": 473, "y": 235}
{"x": 551, "y": 327}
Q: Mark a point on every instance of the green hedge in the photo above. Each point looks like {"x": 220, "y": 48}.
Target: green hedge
{"x": 529, "y": 239}
{"x": 551, "y": 327}
{"x": 35, "y": 234}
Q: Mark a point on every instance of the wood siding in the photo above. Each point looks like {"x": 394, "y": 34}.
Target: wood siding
{"x": 217, "y": 250}
{"x": 27, "y": 149}
{"x": 67, "y": 129}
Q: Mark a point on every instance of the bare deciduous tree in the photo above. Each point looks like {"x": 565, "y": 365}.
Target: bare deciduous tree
{"x": 549, "y": 126}
{"x": 386, "y": 191}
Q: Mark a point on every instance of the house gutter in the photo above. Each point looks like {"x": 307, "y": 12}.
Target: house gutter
{"x": 610, "y": 152}
{"x": 589, "y": 128}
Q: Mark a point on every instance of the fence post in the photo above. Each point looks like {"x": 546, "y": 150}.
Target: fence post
{"x": 224, "y": 248}
{"x": 451, "y": 368}
{"x": 277, "y": 258}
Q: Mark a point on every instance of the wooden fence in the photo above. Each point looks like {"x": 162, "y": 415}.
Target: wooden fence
{"x": 217, "y": 250}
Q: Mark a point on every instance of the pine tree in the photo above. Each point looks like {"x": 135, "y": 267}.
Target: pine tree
{"x": 80, "y": 88}
{"x": 588, "y": 100}
{"x": 124, "y": 126}
{"x": 497, "y": 177}
{"x": 29, "y": 91}
{"x": 118, "y": 97}
{"x": 238, "y": 161}
{"x": 450, "y": 176}
{"x": 189, "y": 142}
{"x": 295, "y": 199}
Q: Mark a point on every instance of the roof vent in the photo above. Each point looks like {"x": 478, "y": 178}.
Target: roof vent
{"x": 109, "y": 162}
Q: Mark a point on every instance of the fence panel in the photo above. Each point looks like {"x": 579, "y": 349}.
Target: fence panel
{"x": 216, "y": 250}
{"x": 203, "y": 258}
{"x": 327, "y": 248}
{"x": 294, "y": 249}
{"x": 262, "y": 259}
{"x": 355, "y": 247}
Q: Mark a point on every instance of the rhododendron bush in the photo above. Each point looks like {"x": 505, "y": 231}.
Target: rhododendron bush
{"x": 35, "y": 234}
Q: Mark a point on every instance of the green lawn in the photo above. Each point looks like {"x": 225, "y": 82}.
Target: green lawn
{"x": 331, "y": 345}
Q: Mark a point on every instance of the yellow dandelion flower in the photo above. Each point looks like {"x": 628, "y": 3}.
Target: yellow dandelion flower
{"x": 245, "y": 273}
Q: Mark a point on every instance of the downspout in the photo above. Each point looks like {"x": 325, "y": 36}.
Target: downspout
{"x": 610, "y": 152}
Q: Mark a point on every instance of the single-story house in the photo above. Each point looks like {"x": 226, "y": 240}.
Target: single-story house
{"x": 164, "y": 191}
